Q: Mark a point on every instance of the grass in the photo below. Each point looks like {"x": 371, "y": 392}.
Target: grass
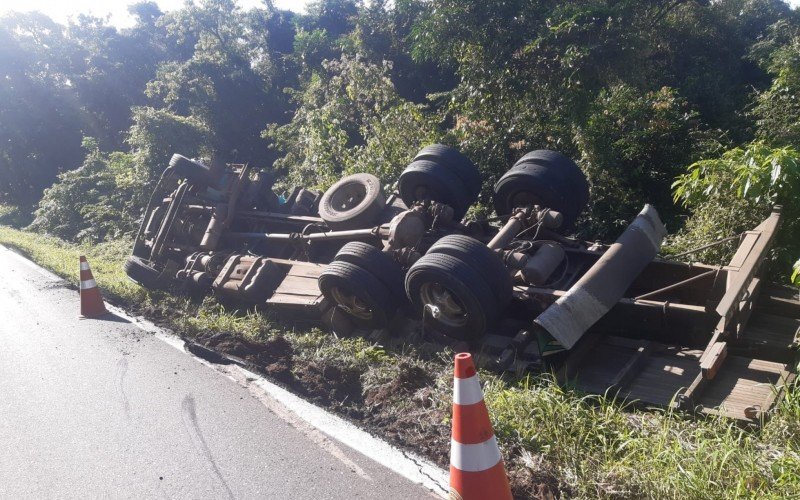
{"x": 553, "y": 439}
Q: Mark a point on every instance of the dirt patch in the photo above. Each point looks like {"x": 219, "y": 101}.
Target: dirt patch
{"x": 273, "y": 357}
{"x": 403, "y": 412}
{"x": 331, "y": 385}
{"x": 408, "y": 380}
{"x": 527, "y": 482}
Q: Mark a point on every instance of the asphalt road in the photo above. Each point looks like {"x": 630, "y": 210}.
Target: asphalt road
{"x": 100, "y": 408}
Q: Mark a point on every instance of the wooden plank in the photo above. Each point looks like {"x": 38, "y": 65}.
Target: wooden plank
{"x": 779, "y": 300}
{"x": 738, "y": 281}
{"x": 746, "y": 304}
{"x": 298, "y": 285}
{"x": 574, "y": 360}
{"x": 744, "y": 249}
{"x": 632, "y": 367}
{"x": 713, "y": 360}
{"x": 286, "y": 299}
{"x": 306, "y": 271}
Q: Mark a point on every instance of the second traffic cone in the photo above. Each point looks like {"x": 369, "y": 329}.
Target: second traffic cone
{"x": 91, "y": 301}
{"x": 476, "y": 466}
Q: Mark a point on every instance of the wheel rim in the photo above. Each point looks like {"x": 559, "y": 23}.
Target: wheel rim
{"x": 349, "y": 196}
{"x": 451, "y": 310}
{"x": 352, "y": 304}
{"x": 523, "y": 199}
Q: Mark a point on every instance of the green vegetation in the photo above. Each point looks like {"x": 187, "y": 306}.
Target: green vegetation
{"x": 689, "y": 105}
{"x": 554, "y": 440}
{"x": 635, "y": 91}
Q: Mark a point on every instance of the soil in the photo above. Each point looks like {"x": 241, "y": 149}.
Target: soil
{"x": 273, "y": 357}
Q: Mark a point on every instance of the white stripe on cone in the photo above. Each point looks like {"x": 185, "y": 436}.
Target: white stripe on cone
{"x": 467, "y": 391}
{"x": 474, "y": 457}
{"x": 87, "y": 284}
{"x": 84, "y": 266}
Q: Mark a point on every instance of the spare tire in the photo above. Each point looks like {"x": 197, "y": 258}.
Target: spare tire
{"x": 424, "y": 179}
{"x": 480, "y": 258}
{"x": 545, "y": 178}
{"x": 377, "y": 263}
{"x": 192, "y": 171}
{"x": 457, "y": 162}
{"x": 354, "y": 202}
{"x": 464, "y": 301}
{"x": 142, "y": 272}
{"x": 358, "y": 293}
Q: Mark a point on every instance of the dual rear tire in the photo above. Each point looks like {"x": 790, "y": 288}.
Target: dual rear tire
{"x": 365, "y": 283}
{"x": 441, "y": 173}
{"x": 459, "y": 287}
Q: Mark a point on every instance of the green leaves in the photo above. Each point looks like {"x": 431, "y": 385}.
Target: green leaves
{"x": 757, "y": 171}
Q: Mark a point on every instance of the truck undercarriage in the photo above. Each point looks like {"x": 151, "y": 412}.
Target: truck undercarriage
{"x": 514, "y": 289}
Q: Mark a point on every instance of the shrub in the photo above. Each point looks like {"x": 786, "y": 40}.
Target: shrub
{"x": 633, "y": 145}
{"x": 98, "y": 200}
{"x": 350, "y": 119}
{"x": 742, "y": 185}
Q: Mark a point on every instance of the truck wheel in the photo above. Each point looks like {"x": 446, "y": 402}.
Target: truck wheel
{"x": 451, "y": 296}
{"x": 142, "y": 272}
{"x": 545, "y": 178}
{"x": 354, "y": 202}
{"x": 358, "y": 293}
{"x": 424, "y": 179}
{"x": 480, "y": 258}
{"x": 377, "y": 263}
{"x": 192, "y": 171}
{"x": 457, "y": 162}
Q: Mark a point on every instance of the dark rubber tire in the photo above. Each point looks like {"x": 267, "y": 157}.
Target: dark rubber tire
{"x": 370, "y": 202}
{"x": 192, "y": 171}
{"x": 469, "y": 287}
{"x": 486, "y": 262}
{"x": 142, "y": 272}
{"x": 425, "y": 179}
{"x": 456, "y": 161}
{"x": 377, "y": 263}
{"x": 362, "y": 284}
{"x": 544, "y": 178}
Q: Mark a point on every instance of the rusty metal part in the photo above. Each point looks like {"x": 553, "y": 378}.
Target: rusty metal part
{"x": 677, "y": 285}
{"x": 327, "y": 235}
{"x": 304, "y": 202}
{"x": 605, "y": 283}
{"x": 512, "y": 227}
{"x": 406, "y": 256}
{"x": 167, "y": 222}
{"x": 215, "y": 228}
{"x": 518, "y": 344}
{"x": 540, "y": 266}
{"x": 249, "y": 278}
{"x": 406, "y": 229}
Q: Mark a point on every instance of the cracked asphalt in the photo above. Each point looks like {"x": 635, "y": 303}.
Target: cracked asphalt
{"x": 99, "y": 408}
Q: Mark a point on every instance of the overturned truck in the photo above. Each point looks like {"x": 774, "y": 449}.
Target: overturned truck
{"x": 514, "y": 288}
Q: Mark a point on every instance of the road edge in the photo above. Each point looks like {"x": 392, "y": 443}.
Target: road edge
{"x": 409, "y": 465}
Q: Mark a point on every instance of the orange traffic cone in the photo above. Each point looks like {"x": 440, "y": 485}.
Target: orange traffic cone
{"x": 476, "y": 466}
{"x": 91, "y": 302}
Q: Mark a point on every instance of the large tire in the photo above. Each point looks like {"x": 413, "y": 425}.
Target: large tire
{"x": 192, "y": 171}
{"x": 358, "y": 293}
{"x": 424, "y": 179}
{"x": 142, "y": 272}
{"x": 544, "y": 178}
{"x": 480, "y": 258}
{"x": 453, "y": 159}
{"x": 466, "y": 302}
{"x": 377, "y": 263}
{"x": 354, "y": 202}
